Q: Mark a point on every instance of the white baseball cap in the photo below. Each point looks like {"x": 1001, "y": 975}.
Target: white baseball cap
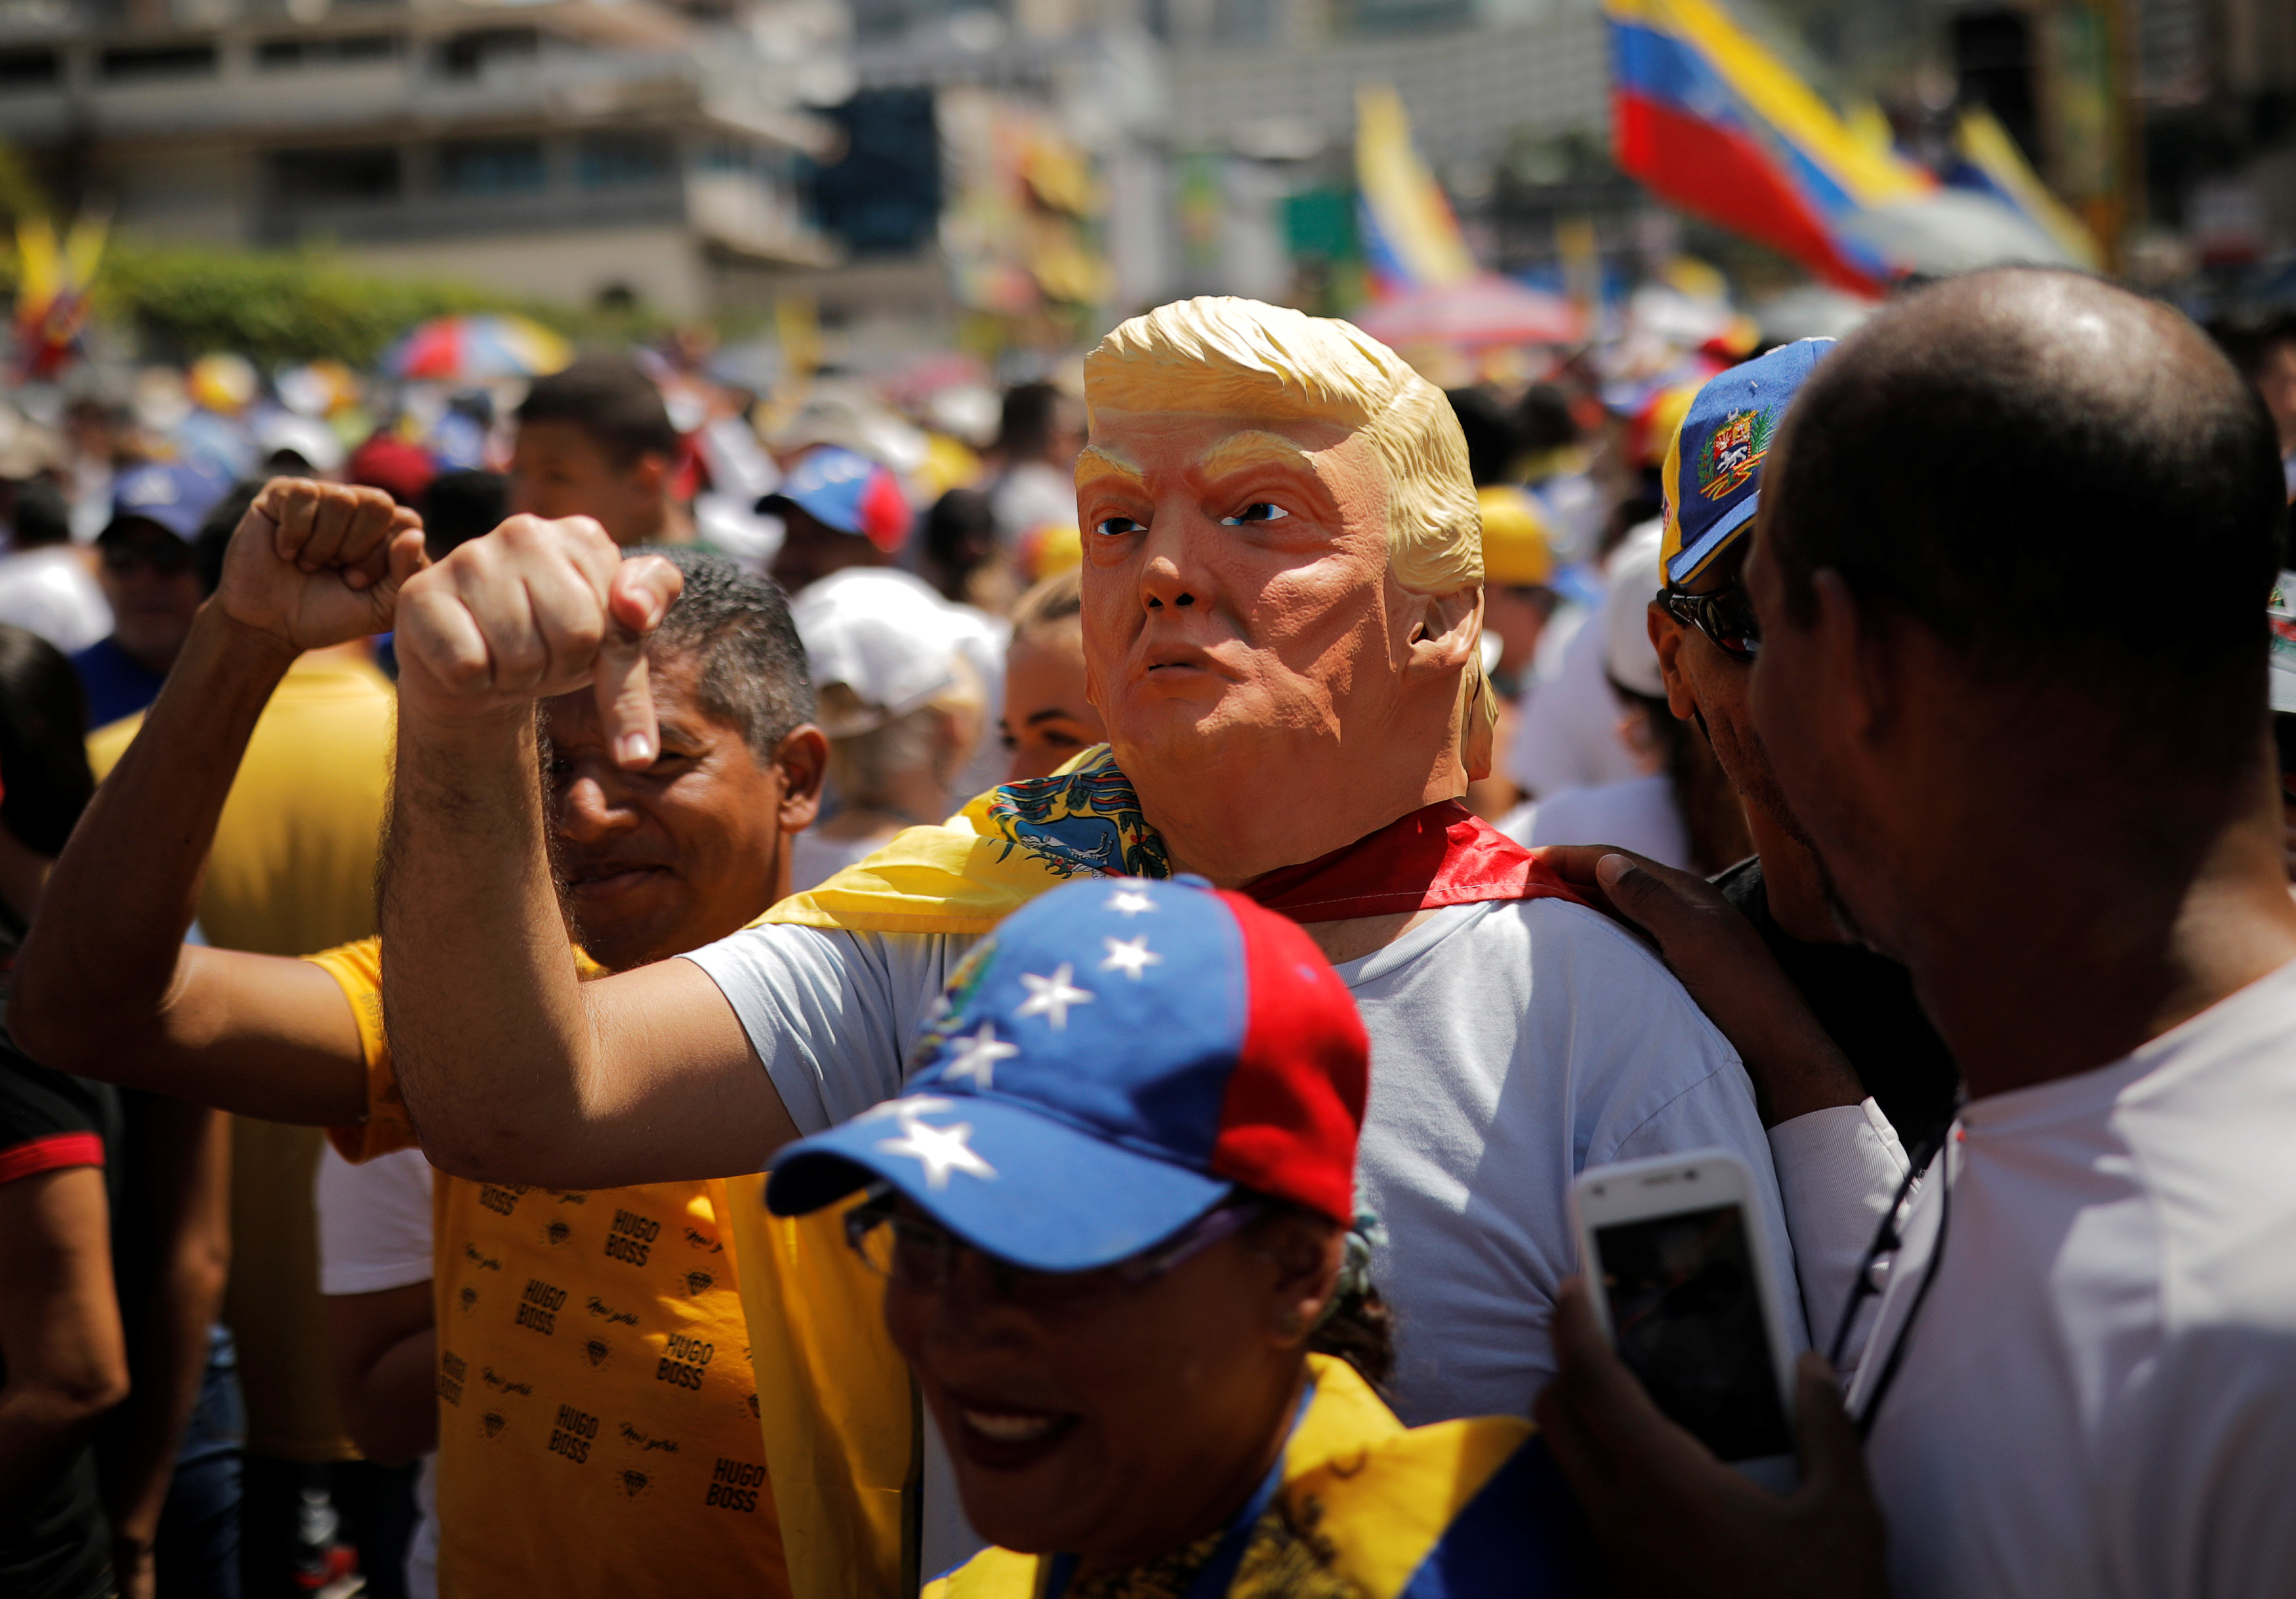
{"x": 882, "y": 634}
{"x": 1633, "y": 581}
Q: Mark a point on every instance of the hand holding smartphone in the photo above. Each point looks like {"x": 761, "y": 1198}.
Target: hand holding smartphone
{"x": 1674, "y": 1247}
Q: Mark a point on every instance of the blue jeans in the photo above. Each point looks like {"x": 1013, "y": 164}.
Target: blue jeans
{"x": 196, "y": 1554}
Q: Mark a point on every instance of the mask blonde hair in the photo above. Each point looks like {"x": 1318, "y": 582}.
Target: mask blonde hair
{"x": 1239, "y": 356}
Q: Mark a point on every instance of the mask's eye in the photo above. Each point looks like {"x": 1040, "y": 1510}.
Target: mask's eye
{"x": 1118, "y": 527}
{"x": 1259, "y": 511}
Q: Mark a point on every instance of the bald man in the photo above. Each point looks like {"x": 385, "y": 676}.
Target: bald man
{"x": 2058, "y": 811}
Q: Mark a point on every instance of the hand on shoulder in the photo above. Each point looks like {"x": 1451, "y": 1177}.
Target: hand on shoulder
{"x": 1716, "y": 953}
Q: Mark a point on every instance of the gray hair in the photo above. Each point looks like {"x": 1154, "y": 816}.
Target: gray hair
{"x": 752, "y": 664}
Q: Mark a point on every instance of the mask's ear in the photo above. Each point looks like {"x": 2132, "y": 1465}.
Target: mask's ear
{"x": 1447, "y": 633}
{"x": 1448, "y": 639}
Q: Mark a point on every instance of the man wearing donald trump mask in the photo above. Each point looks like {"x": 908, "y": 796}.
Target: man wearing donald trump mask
{"x": 1282, "y": 608}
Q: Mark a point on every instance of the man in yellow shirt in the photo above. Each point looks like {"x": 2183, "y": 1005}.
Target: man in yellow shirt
{"x": 598, "y": 1430}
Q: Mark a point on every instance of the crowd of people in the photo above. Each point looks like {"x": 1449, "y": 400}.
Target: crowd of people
{"x": 1017, "y": 1012}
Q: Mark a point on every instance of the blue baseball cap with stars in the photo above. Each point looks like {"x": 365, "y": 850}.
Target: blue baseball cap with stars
{"x": 1116, "y": 1059}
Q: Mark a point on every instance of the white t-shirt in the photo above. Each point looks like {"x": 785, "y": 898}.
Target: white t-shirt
{"x": 375, "y": 1234}
{"x": 49, "y": 592}
{"x": 1513, "y": 1045}
{"x": 1567, "y": 722}
{"x": 2098, "y": 1397}
{"x": 1640, "y": 814}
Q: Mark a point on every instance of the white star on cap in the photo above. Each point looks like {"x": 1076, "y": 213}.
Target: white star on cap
{"x": 1130, "y": 901}
{"x": 976, "y": 1056}
{"x": 1051, "y": 997}
{"x": 1130, "y": 956}
{"x": 908, "y": 1107}
{"x": 939, "y": 1150}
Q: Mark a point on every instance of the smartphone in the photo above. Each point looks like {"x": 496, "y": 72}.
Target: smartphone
{"x": 1675, "y": 1248}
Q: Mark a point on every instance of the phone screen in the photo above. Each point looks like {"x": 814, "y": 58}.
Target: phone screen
{"x": 1687, "y": 1311}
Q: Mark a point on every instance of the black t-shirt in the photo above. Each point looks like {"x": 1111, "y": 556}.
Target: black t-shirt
{"x": 57, "y": 1546}
{"x": 1866, "y": 1002}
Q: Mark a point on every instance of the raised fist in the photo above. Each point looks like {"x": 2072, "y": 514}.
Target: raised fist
{"x": 313, "y": 564}
{"x": 535, "y": 609}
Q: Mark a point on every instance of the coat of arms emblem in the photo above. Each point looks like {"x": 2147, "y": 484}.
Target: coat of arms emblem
{"x": 1731, "y": 456}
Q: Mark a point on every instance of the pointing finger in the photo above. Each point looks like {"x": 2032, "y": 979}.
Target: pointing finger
{"x": 625, "y": 701}
{"x": 638, "y": 600}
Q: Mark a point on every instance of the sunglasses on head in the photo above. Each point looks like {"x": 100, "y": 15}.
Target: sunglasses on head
{"x": 1726, "y": 616}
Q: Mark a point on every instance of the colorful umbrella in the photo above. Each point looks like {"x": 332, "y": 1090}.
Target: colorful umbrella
{"x": 466, "y": 348}
{"x": 1483, "y": 313}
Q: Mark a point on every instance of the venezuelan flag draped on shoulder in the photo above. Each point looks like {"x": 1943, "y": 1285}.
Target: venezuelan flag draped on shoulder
{"x": 1015, "y": 842}
{"x": 1366, "y": 1509}
{"x": 1001, "y": 851}
{"x": 841, "y": 1440}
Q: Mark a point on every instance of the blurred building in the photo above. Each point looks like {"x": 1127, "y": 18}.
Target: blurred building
{"x": 1509, "y": 101}
{"x": 1005, "y": 177}
{"x": 569, "y": 150}
{"x": 1030, "y": 170}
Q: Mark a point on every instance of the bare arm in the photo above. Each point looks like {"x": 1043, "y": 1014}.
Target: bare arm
{"x": 510, "y": 1068}
{"x": 105, "y": 985}
{"x": 386, "y": 1371}
{"x": 60, "y": 1338}
{"x": 186, "y": 1155}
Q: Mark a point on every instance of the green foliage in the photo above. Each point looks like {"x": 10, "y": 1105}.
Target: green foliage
{"x": 292, "y": 306}
{"x": 276, "y": 306}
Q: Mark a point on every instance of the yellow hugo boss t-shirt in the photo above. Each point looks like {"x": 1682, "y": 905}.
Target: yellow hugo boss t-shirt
{"x": 598, "y": 1428}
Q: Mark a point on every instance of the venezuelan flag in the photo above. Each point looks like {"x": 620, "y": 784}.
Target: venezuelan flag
{"x": 1716, "y": 125}
{"x": 1991, "y": 164}
{"x": 1410, "y": 237}
{"x": 51, "y": 289}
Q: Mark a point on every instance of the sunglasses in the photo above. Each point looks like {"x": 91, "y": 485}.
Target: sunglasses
{"x": 1726, "y": 616}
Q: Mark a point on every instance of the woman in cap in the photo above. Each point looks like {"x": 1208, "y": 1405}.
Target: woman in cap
{"x": 1114, "y": 1215}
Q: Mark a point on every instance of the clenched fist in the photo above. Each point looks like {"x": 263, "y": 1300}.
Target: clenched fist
{"x": 535, "y": 609}
{"x": 313, "y": 564}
